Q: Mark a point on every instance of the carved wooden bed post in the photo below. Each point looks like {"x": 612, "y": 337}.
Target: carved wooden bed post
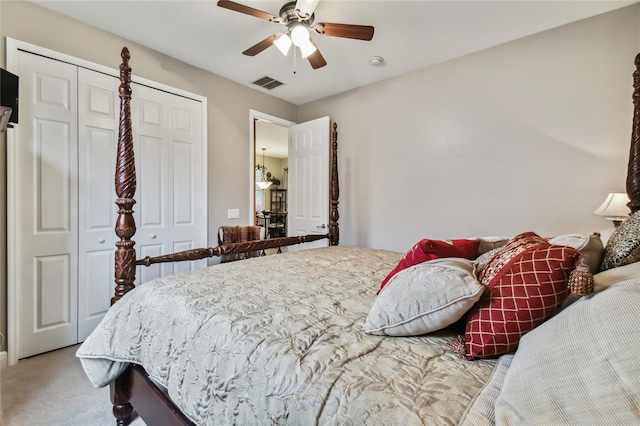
{"x": 334, "y": 231}
{"x": 633, "y": 171}
{"x": 125, "y": 180}
{"x": 125, "y": 256}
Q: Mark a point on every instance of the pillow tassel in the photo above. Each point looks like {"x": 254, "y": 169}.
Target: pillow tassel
{"x": 457, "y": 346}
{"x": 581, "y": 279}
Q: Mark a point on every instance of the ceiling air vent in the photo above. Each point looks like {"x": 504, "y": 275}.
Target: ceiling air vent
{"x": 268, "y": 83}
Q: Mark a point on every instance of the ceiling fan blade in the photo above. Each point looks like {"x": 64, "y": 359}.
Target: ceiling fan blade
{"x": 305, "y": 8}
{"x": 237, "y": 7}
{"x": 358, "y": 32}
{"x": 260, "y": 46}
{"x": 316, "y": 59}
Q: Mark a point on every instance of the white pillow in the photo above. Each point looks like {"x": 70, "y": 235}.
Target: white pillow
{"x": 580, "y": 367}
{"x": 424, "y": 298}
{"x": 590, "y": 245}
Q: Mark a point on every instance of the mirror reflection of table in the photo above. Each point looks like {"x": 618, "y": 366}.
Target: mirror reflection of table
{"x": 275, "y": 224}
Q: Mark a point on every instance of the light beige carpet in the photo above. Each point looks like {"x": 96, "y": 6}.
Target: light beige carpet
{"x": 52, "y": 390}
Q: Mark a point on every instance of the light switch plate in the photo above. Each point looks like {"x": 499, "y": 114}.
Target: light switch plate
{"x": 233, "y": 214}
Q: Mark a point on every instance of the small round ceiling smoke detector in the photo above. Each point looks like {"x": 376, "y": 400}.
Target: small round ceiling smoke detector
{"x": 376, "y": 61}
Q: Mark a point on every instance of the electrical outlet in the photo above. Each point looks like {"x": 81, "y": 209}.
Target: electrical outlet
{"x": 233, "y": 214}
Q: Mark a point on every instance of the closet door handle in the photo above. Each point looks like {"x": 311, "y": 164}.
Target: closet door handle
{"x": 101, "y": 240}
{"x": 153, "y": 236}
{"x": 321, "y": 226}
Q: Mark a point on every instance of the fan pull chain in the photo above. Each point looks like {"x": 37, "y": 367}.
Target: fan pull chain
{"x": 294, "y": 60}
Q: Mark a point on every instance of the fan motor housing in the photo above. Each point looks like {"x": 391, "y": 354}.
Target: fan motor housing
{"x": 288, "y": 14}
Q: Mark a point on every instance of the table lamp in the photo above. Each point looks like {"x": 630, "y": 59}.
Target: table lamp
{"x": 614, "y": 208}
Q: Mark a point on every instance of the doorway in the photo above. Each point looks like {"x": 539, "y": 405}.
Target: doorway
{"x": 307, "y": 179}
{"x": 269, "y": 144}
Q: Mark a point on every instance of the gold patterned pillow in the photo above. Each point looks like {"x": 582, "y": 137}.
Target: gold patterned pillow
{"x": 482, "y": 260}
{"x": 623, "y": 246}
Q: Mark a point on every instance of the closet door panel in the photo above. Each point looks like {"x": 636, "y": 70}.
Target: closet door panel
{"x": 148, "y": 273}
{"x": 53, "y": 147}
{"x": 47, "y": 206}
{"x": 149, "y": 118}
{"x": 167, "y": 134}
{"x": 182, "y": 266}
{"x": 183, "y": 196}
{"x": 186, "y": 229}
{"x": 152, "y": 193}
{"x": 97, "y": 145}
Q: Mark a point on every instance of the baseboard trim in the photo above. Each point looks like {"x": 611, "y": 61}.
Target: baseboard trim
{"x": 4, "y": 360}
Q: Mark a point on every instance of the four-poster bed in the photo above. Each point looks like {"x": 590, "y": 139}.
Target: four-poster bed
{"x": 125, "y": 258}
{"x": 296, "y": 334}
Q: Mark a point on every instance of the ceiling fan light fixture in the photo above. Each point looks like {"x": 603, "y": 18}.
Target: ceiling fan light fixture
{"x": 283, "y": 43}
{"x": 307, "y": 48}
{"x": 298, "y": 16}
{"x": 299, "y": 35}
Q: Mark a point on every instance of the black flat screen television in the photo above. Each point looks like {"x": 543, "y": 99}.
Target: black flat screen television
{"x": 9, "y": 84}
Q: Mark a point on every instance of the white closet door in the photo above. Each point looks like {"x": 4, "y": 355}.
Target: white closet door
{"x": 61, "y": 196}
{"x": 46, "y": 205}
{"x": 98, "y": 109}
{"x": 186, "y": 229}
{"x": 168, "y": 143}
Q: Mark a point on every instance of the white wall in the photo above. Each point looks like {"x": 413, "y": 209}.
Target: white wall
{"x": 529, "y": 135}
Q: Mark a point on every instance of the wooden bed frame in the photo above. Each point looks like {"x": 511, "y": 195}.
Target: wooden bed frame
{"x": 134, "y": 388}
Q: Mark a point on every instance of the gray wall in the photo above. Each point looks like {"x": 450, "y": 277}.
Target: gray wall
{"x": 528, "y": 135}
{"x": 228, "y": 104}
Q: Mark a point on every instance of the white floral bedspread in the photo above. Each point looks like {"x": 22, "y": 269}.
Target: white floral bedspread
{"x": 279, "y": 340}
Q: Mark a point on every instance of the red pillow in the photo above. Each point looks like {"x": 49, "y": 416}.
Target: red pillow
{"x": 526, "y": 290}
{"x": 434, "y": 249}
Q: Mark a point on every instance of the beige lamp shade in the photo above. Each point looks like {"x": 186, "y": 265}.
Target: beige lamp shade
{"x": 263, "y": 184}
{"x": 614, "y": 207}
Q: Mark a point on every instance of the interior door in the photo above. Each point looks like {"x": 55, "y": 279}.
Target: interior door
{"x": 45, "y": 209}
{"x": 308, "y": 186}
{"x": 98, "y": 111}
{"x": 167, "y": 135}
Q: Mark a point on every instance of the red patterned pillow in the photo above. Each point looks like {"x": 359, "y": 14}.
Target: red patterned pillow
{"x": 526, "y": 290}
{"x": 434, "y": 249}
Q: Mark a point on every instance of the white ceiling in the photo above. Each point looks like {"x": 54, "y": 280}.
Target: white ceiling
{"x": 408, "y": 34}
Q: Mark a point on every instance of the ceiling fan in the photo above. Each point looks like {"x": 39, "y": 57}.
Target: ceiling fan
{"x": 298, "y": 18}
